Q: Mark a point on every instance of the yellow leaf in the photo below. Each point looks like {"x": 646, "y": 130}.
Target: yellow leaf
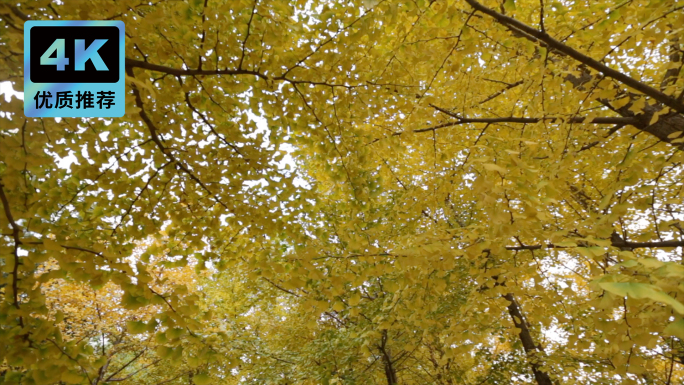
{"x": 354, "y": 299}
{"x": 654, "y": 119}
{"x": 49, "y": 244}
{"x": 494, "y": 167}
{"x": 338, "y": 306}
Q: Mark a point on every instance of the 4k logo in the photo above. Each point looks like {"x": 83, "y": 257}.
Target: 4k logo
{"x": 74, "y": 69}
{"x": 80, "y": 54}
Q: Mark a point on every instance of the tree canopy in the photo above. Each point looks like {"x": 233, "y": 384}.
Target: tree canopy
{"x": 353, "y": 192}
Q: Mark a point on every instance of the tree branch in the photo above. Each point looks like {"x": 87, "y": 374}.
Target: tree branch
{"x": 71, "y": 358}
{"x": 130, "y": 208}
{"x": 155, "y": 362}
{"x": 280, "y": 288}
{"x": 526, "y": 339}
{"x": 619, "y": 120}
{"x": 580, "y": 57}
{"x": 126, "y": 365}
{"x": 249, "y": 25}
{"x": 132, "y": 63}
{"x": 614, "y": 243}
{"x": 16, "y": 233}
{"x": 155, "y": 138}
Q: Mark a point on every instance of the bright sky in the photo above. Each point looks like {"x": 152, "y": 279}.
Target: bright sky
{"x": 8, "y": 91}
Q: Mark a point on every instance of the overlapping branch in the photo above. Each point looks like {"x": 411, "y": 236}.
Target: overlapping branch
{"x": 662, "y": 128}
{"x": 16, "y": 233}
{"x": 514, "y": 119}
{"x": 580, "y": 57}
{"x": 132, "y": 63}
{"x": 528, "y": 343}
{"x": 614, "y": 243}
{"x": 166, "y": 151}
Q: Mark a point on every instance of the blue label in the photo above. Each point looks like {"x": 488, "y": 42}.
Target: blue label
{"x": 74, "y": 69}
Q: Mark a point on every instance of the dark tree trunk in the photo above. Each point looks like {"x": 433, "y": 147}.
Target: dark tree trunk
{"x": 528, "y": 344}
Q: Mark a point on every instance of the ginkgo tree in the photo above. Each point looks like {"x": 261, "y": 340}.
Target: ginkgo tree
{"x": 479, "y": 192}
{"x": 128, "y": 344}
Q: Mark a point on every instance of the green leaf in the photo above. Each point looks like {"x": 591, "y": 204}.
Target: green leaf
{"x": 201, "y": 379}
{"x": 652, "y": 263}
{"x": 628, "y": 263}
{"x": 509, "y": 5}
{"x": 675, "y": 329}
{"x": 164, "y": 351}
{"x": 494, "y": 167}
{"x": 671, "y": 270}
{"x": 641, "y": 291}
{"x": 136, "y": 327}
{"x": 175, "y": 333}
